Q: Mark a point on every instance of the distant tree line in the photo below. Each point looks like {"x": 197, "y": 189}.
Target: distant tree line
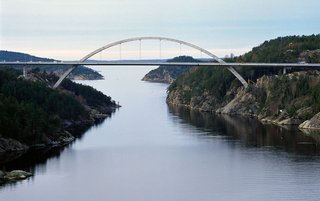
{"x": 10, "y": 56}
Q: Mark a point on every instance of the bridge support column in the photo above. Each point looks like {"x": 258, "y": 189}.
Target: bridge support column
{"x": 284, "y": 70}
{"x": 24, "y": 70}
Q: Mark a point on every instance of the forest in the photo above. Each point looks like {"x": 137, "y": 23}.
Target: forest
{"x": 30, "y": 111}
{"x": 217, "y": 80}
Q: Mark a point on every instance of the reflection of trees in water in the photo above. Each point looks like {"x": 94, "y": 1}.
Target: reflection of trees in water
{"x": 250, "y": 131}
{"x": 33, "y": 159}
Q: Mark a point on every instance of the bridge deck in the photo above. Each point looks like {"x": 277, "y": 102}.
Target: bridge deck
{"x": 138, "y": 63}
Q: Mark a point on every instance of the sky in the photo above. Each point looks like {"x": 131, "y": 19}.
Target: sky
{"x": 70, "y": 29}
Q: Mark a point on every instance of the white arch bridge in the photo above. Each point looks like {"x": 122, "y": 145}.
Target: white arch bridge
{"x": 217, "y": 61}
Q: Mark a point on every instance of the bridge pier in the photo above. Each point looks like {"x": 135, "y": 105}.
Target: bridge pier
{"x": 24, "y": 70}
{"x": 284, "y": 71}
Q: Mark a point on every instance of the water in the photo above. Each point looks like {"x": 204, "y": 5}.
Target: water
{"x": 147, "y": 151}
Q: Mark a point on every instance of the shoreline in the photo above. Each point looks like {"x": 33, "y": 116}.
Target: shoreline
{"x": 265, "y": 100}
{"x": 16, "y": 149}
{"x": 9, "y": 146}
{"x": 265, "y": 120}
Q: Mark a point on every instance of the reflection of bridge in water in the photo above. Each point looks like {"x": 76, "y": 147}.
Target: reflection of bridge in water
{"x": 216, "y": 60}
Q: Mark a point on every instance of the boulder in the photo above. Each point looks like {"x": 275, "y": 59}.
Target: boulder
{"x": 17, "y": 175}
{"x": 313, "y": 123}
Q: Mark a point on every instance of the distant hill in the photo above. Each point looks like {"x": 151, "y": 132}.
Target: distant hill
{"x": 9, "y": 56}
{"x": 167, "y": 74}
{"x": 80, "y": 73}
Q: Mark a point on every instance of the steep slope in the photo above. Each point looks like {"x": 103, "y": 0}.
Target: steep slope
{"x": 283, "y": 99}
{"x": 215, "y": 89}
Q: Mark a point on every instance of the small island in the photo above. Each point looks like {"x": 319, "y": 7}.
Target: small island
{"x": 167, "y": 74}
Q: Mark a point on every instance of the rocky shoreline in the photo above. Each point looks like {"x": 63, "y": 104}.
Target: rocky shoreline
{"x": 8, "y": 145}
{"x": 263, "y": 100}
{"x": 11, "y": 149}
{"x": 13, "y": 176}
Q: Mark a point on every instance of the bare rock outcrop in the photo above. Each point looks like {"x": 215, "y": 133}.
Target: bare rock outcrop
{"x": 313, "y": 123}
{"x": 244, "y": 103}
{"x": 278, "y": 99}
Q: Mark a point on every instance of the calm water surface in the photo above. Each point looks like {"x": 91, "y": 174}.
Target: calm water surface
{"x": 147, "y": 151}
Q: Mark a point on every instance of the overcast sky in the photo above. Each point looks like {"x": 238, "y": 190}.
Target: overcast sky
{"x": 69, "y": 29}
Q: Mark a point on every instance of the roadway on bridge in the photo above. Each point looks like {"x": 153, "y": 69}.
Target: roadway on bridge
{"x": 139, "y": 63}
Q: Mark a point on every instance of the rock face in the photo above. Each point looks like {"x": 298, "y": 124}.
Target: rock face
{"x": 282, "y": 100}
{"x": 160, "y": 75}
{"x": 204, "y": 102}
{"x": 61, "y": 138}
{"x": 17, "y": 175}
{"x": 313, "y": 123}
{"x": 310, "y": 56}
{"x": 244, "y": 103}
{"x": 13, "y": 176}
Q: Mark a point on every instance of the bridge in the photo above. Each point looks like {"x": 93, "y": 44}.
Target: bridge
{"x": 216, "y": 60}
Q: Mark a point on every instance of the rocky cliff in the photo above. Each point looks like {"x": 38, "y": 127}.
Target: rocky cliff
{"x": 272, "y": 97}
{"x": 281, "y": 99}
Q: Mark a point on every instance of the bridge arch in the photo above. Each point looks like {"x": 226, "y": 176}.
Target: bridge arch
{"x": 231, "y": 69}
